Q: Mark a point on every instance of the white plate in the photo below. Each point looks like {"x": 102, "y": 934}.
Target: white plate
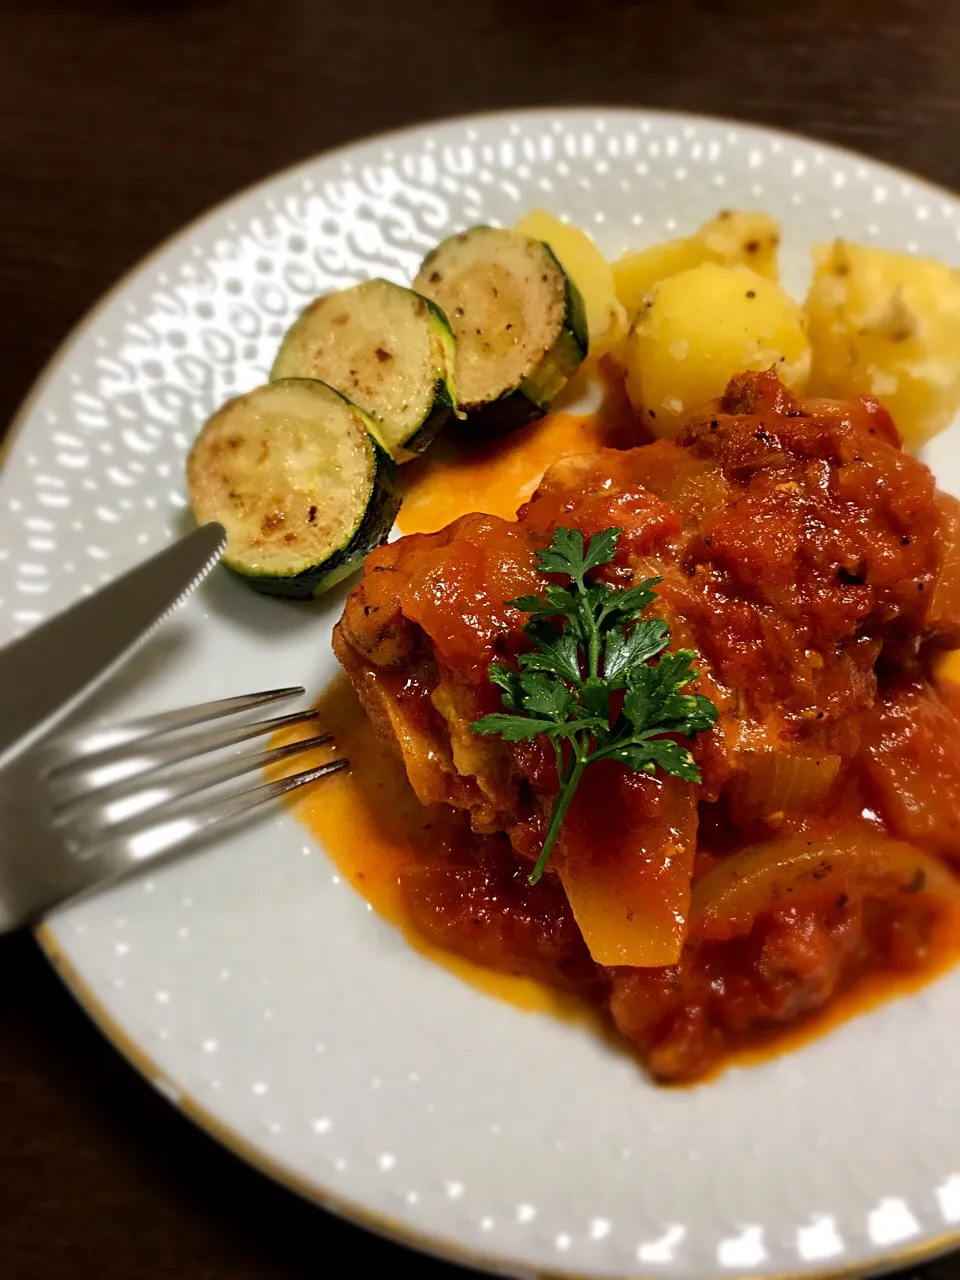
{"x": 260, "y": 993}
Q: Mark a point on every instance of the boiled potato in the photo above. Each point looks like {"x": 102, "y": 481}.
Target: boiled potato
{"x": 702, "y": 326}
{"x": 636, "y": 275}
{"x": 732, "y": 236}
{"x": 750, "y": 238}
{"x": 588, "y": 269}
{"x": 888, "y": 325}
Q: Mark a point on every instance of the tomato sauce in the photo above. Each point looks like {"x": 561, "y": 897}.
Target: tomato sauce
{"x": 445, "y": 858}
{"x": 375, "y": 830}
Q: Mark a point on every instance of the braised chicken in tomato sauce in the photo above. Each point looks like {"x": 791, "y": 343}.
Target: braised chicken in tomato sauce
{"x": 813, "y": 570}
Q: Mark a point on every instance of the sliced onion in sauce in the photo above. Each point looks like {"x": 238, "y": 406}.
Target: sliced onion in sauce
{"x": 773, "y": 782}
{"x": 794, "y": 871}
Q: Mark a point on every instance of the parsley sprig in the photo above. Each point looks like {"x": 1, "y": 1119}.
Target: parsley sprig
{"x": 591, "y": 645}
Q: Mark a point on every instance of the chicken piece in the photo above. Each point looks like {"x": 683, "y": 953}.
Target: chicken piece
{"x": 797, "y": 546}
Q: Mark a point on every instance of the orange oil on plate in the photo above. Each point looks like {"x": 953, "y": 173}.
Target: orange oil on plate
{"x": 496, "y": 476}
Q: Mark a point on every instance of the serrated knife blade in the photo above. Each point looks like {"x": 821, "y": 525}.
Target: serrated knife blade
{"x": 48, "y": 672}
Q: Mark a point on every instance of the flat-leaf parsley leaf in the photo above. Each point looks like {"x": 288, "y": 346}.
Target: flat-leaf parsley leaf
{"x": 589, "y": 644}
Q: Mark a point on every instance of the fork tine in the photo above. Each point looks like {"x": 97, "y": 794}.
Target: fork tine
{"x": 90, "y": 742}
{"x": 76, "y": 779}
{"x": 111, "y": 810}
{"x": 114, "y": 857}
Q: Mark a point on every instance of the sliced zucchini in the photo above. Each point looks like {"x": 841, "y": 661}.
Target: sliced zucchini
{"x": 301, "y": 486}
{"x": 387, "y": 348}
{"x": 518, "y": 319}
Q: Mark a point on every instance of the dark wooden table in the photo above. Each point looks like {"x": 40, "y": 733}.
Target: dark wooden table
{"x": 120, "y": 121}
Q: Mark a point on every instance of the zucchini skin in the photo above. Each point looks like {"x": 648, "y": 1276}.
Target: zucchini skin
{"x": 570, "y": 349}
{"x": 532, "y": 397}
{"x": 444, "y": 405}
{"x": 379, "y": 512}
{"x": 378, "y": 520}
{"x": 444, "y": 408}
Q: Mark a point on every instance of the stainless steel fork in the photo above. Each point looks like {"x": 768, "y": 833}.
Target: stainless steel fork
{"x": 86, "y": 809}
